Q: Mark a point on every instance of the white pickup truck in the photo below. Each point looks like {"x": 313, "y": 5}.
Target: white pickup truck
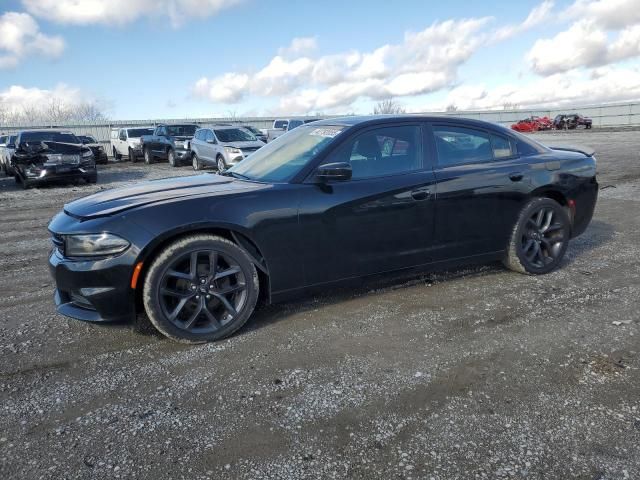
{"x": 282, "y": 126}
{"x": 126, "y": 142}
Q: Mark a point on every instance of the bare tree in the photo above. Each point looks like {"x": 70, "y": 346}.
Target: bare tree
{"x": 510, "y": 106}
{"x": 388, "y": 106}
{"x": 451, "y": 108}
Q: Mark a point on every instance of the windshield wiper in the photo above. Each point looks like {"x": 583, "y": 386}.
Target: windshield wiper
{"x": 229, "y": 173}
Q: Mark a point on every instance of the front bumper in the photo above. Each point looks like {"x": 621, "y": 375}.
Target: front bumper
{"x": 95, "y": 290}
{"x": 59, "y": 173}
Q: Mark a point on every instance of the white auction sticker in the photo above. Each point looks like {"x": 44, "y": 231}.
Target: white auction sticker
{"x": 326, "y": 132}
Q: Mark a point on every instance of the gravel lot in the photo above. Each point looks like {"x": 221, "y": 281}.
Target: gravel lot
{"x": 473, "y": 373}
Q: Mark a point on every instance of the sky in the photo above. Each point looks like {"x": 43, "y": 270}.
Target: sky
{"x": 144, "y": 59}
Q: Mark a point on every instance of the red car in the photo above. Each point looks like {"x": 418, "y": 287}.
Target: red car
{"x": 532, "y": 124}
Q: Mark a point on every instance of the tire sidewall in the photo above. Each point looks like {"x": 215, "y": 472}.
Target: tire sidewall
{"x": 195, "y": 163}
{"x": 219, "y": 161}
{"x": 529, "y": 209}
{"x": 183, "y": 246}
{"x": 147, "y": 156}
{"x": 171, "y": 158}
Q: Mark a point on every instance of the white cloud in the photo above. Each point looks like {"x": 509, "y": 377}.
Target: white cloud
{"x": 16, "y": 98}
{"x": 603, "y": 32}
{"x": 120, "y": 12}
{"x": 537, "y": 16}
{"x": 299, "y": 46}
{"x": 425, "y": 61}
{"x": 604, "y": 85}
{"x": 20, "y": 36}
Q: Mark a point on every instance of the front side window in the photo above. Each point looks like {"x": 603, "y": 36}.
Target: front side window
{"x": 208, "y": 136}
{"x": 458, "y": 145}
{"x": 383, "y": 152}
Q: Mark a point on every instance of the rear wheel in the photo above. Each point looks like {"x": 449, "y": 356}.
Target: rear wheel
{"x": 200, "y": 288}
{"x": 148, "y": 158}
{"x": 539, "y": 238}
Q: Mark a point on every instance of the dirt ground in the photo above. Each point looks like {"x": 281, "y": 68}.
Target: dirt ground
{"x": 468, "y": 374}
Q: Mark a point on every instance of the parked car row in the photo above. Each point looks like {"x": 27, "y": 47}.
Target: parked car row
{"x": 37, "y": 156}
{"x": 560, "y": 122}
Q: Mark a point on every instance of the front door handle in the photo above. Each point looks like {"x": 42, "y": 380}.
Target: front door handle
{"x": 421, "y": 194}
{"x": 516, "y": 176}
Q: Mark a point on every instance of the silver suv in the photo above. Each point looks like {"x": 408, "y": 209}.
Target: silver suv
{"x": 222, "y": 146}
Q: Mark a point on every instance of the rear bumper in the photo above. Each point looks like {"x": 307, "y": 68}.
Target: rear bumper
{"x": 585, "y": 204}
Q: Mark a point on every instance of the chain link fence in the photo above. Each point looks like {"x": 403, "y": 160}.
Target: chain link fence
{"x": 612, "y": 115}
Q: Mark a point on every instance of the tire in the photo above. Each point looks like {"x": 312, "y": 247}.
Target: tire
{"x": 116, "y": 155}
{"x": 132, "y": 157}
{"x": 195, "y": 162}
{"x": 148, "y": 157}
{"x": 187, "y": 307}
{"x": 220, "y": 163}
{"x": 92, "y": 178}
{"x": 539, "y": 238}
{"x": 171, "y": 158}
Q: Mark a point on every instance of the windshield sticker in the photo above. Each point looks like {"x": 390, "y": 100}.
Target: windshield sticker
{"x": 326, "y": 132}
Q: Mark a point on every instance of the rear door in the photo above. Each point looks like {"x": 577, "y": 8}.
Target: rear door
{"x": 481, "y": 186}
{"x": 380, "y": 220}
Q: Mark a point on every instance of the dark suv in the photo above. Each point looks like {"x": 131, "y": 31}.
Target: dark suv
{"x": 45, "y": 155}
{"x": 170, "y": 142}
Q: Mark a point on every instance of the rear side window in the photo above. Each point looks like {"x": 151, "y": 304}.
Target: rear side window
{"x": 458, "y": 145}
{"x": 501, "y": 147}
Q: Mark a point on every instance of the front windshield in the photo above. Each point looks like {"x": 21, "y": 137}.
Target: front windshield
{"x": 227, "y": 135}
{"x": 62, "y": 137}
{"x": 87, "y": 139}
{"x": 138, "y": 132}
{"x": 182, "y": 130}
{"x": 281, "y": 159}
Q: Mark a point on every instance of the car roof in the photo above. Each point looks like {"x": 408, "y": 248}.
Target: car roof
{"x": 366, "y": 120}
{"x": 46, "y": 130}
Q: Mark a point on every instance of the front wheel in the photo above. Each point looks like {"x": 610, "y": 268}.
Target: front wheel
{"x": 171, "y": 157}
{"x": 200, "y": 288}
{"x": 539, "y": 238}
{"x": 116, "y": 155}
{"x": 195, "y": 162}
{"x": 132, "y": 157}
{"x": 148, "y": 158}
{"x": 220, "y": 163}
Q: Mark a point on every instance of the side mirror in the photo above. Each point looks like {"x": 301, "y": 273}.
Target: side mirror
{"x": 338, "y": 171}
{"x": 212, "y": 141}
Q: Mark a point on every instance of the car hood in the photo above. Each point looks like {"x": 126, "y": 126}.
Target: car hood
{"x": 114, "y": 201}
{"x": 241, "y": 145}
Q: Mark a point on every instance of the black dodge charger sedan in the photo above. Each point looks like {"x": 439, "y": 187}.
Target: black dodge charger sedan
{"x": 329, "y": 203}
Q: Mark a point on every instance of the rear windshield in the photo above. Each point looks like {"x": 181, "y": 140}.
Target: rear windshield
{"x": 234, "y": 135}
{"x": 181, "y": 130}
{"x": 138, "y": 132}
{"x": 63, "y": 137}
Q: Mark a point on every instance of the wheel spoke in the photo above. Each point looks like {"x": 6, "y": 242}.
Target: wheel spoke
{"x": 232, "y": 289}
{"x": 194, "y": 316}
{"x": 539, "y": 217}
{"x": 528, "y": 245}
{"x": 227, "y": 272}
{"x": 532, "y": 223}
{"x": 213, "y": 264}
{"x": 534, "y": 252}
{"x": 181, "y": 275}
{"x": 547, "y": 220}
{"x": 211, "y": 317}
{"x": 227, "y": 304}
{"x": 176, "y": 311}
{"x": 193, "y": 264}
{"x": 552, "y": 228}
{"x": 175, "y": 293}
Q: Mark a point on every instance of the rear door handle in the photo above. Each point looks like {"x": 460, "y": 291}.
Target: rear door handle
{"x": 421, "y": 194}
{"x": 516, "y": 176}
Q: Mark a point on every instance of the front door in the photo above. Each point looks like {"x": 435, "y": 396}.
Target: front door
{"x": 382, "y": 219}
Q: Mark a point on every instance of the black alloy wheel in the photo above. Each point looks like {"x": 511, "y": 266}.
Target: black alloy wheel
{"x": 201, "y": 288}
{"x": 540, "y": 237}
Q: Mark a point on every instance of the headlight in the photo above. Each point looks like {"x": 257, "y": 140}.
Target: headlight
{"x": 87, "y": 154}
{"x": 95, "y": 244}
{"x": 233, "y": 150}
{"x": 54, "y": 157}
{"x": 100, "y": 149}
